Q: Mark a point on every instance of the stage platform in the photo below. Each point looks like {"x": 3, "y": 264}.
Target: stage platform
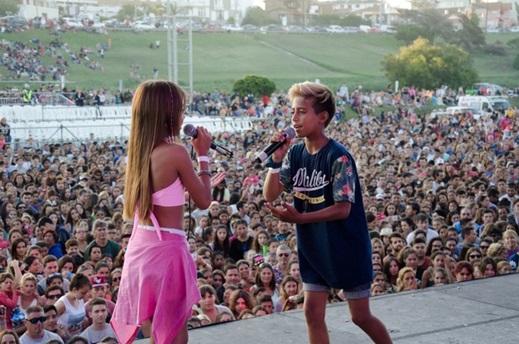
{"x": 482, "y": 311}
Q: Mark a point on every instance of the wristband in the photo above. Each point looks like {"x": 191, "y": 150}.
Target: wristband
{"x": 274, "y": 170}
{"x": 271, "y": 163}
{"x": 204, "y": 172}
{"x": 2, "y": 323}
{"x": 203, "y": 158}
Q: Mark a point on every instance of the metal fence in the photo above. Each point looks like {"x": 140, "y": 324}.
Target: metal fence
{"x": 58, "y": 124}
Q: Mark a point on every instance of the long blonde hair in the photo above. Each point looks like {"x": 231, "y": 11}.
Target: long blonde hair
{"x": 157, "y": 110}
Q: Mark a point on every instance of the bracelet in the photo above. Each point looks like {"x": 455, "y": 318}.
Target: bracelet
{"x": 271, "y": 163}
{"x": 203, "y": 158}
{"x": 204, "y": 172}
{"x": 274, "y": 170}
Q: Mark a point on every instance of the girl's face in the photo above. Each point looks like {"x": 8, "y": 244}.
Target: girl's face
{"x": 191, "y": 244}
{"x": 409, "y": 281}
{"x": 221, "y": 234}
{"x": 8, "y": 339}
{"x": 49, "y": 238}
{"x": 505, "y": 270}
{"x": 377, "y": 290}
{"x": 207, "y": 302}
{"x": 68, "y": 267}
{"x": 439, "y": 261}
{"x": 405, "y": 227}
{"x": 412, "y": 261}
{"x": 266, "y": 276}
{"x": 375, "y": 258}
{"x": 377, "y": 247}
{"x": 218, "y": 262}
{"x": 74, "y": 214}
{"x": 273, "y": 247}
{"x": 105, "y": 271}
{"x": 203, "y": 222}
{"x": 294, "y": 271}
{"x": 255, "y": 219}
{"x": 510, "y": 241}
{"x": 391, "y": 210}
{"x": 20, "y": 249}
{"x": 80, "y": 293}
{"x": 29, "y": 288}
{"x": 291, "y": 288}
{"x": 96, "y": 254}
{"x": 393, "y": 268}
{"x": 240, "y": 305}
{"x": 262, "y": 239}
{"x": 439, "y": 278}
{"x": 36, "y": 267}
{"x": 6, "y": 285}
{"x": 489, "y": 271}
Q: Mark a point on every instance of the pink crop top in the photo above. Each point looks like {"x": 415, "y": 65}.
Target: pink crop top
{"x": 170, "y": 196}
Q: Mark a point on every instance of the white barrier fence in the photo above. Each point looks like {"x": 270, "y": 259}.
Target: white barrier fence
{"x": 60, "y": 123}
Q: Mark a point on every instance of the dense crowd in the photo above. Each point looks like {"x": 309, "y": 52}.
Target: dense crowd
{"x": 440, "y": 195}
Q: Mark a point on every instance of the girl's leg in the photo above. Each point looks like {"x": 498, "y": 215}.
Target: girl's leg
{"x": 362, "y": 317}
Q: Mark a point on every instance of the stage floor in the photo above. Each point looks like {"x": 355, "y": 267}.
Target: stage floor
{"x": 482, "y": 311}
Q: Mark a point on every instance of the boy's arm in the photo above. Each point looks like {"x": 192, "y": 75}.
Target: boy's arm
{"x": 337, "y": 211}
{"x": 272, "y": 187}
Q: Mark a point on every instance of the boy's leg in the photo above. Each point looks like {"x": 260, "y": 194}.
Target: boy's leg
{"x": 362, "y": 317}
{"x": 315, "y": 310}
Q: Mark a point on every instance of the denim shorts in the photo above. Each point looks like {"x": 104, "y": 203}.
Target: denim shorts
{"x": 359, "y": 292}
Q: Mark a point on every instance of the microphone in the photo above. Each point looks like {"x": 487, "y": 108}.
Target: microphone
{"x": 288, "y": 133}
{"x": 190, "y": 130}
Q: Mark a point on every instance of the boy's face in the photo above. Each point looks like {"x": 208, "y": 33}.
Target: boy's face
{"x": 304, "y": 119}
{"x": 98, "y": 314}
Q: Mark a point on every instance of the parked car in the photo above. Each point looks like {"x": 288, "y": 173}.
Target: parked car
{"x": 317, "y": 29}
{"x": 335, "y": 29}
{"x": 232, "y": 28}
{"x": 73, "y": 22}
{"x": 15, "y": 21}
{"x": 143, "y": 25}
{"x": 250, "y": 28}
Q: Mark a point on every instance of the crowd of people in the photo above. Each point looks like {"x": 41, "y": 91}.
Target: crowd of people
{"x": 440, "y": 193}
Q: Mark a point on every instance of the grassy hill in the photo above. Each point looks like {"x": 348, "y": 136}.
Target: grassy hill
{"x": 222, "y": 58}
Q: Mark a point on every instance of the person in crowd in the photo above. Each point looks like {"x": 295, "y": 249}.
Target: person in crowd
{"x": 36, "y": 333}
{"x": 71, "y": 307}
{"x": 99, "y": 329}
{"x": 208, "y": 305}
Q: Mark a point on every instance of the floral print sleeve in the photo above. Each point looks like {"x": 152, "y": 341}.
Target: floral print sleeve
{"x": 344, "y": 178}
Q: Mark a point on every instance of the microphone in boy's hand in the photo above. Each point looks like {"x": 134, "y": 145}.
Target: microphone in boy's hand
{"x": 289, "y": 133}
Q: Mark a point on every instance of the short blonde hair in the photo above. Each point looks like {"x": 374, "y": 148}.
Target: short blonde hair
{"x": 323, "y": 99}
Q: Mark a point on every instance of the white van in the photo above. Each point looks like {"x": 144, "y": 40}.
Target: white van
{"x": 483, "y": 104}
{"x": 456, "y": 110}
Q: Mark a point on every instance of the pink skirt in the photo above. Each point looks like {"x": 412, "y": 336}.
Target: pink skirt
{"x": 159, "y": 282}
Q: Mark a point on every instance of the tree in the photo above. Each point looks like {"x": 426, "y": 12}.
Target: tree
{"x": 257, "y": 16}
{"x": 427, "y": 66}
{"x": 8, "y": 8}
{"x": 470, "y": 36}
{"x": 252, "y": 84}
{"x": 410, "y": 32}
{"x": 431, "y": 22}
{"x": 126, "y": 12}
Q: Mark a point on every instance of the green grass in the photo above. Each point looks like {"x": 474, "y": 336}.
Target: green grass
{"x": 221, "y": 58}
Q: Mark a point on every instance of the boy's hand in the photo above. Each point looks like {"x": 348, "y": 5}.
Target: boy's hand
{"x": 285, "y": 213}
